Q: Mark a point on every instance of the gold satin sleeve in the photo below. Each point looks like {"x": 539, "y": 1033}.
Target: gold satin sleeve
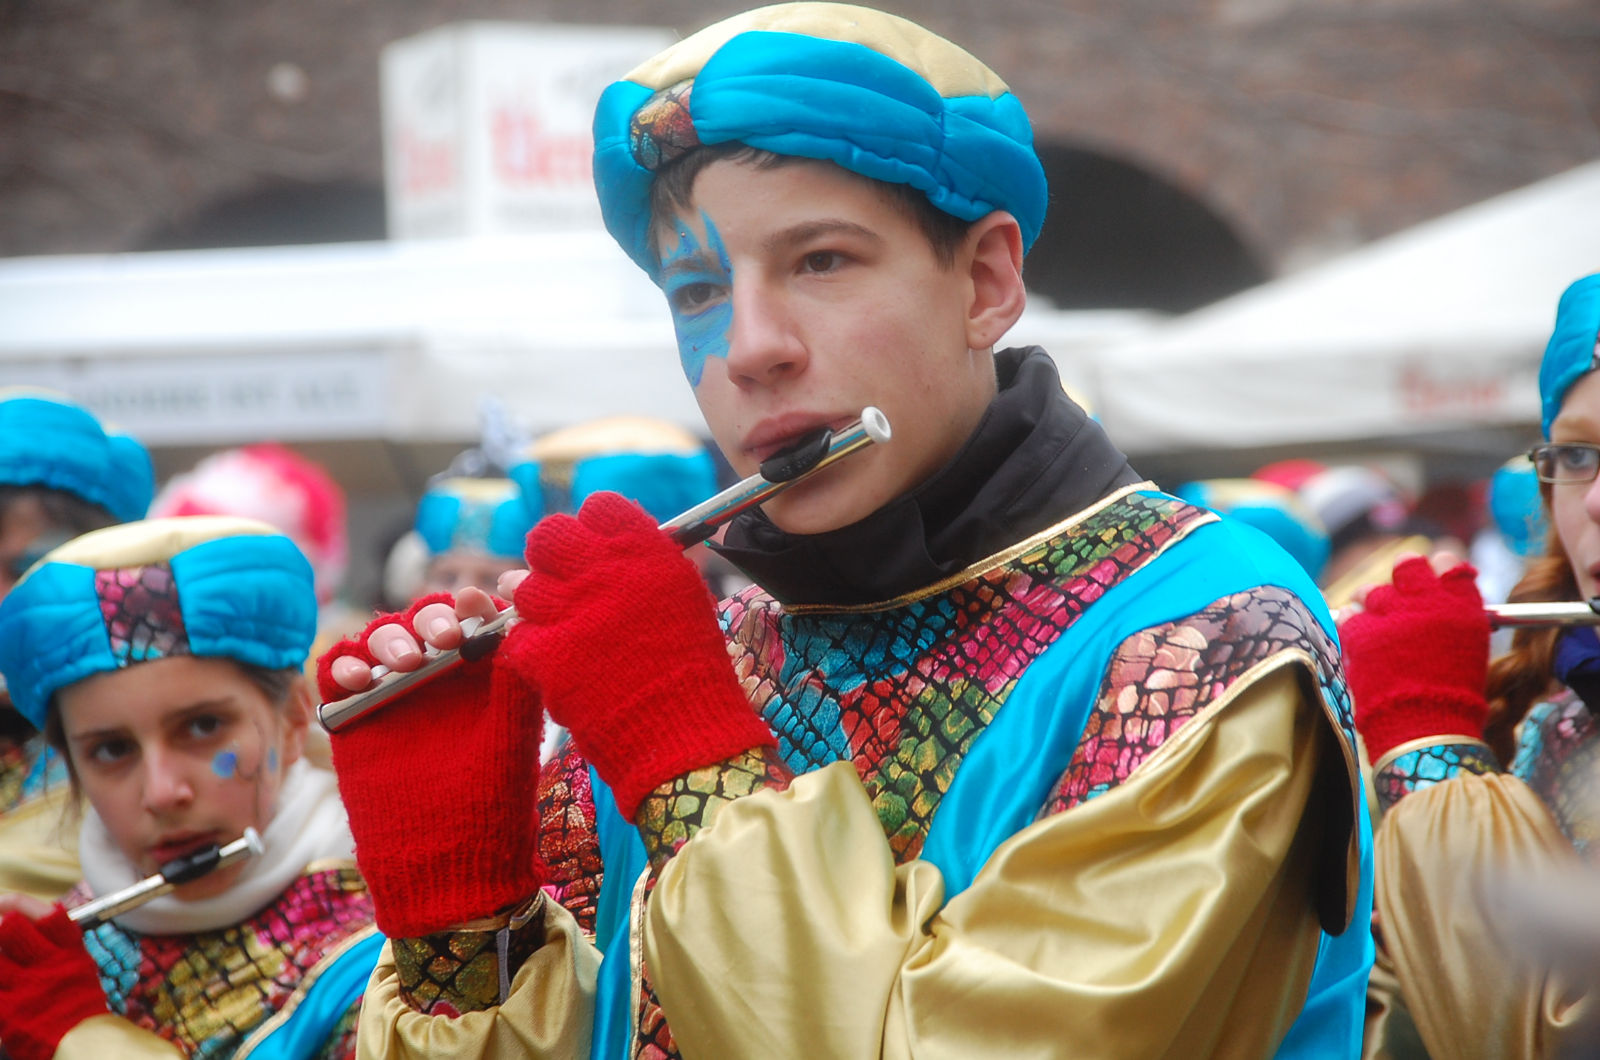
{"x": 39, "y": 847}
{"x": 1169, "y": 917}
{"x": 547, "y": 1014}
{"x": 100, "y": 1037}
{"x": 1464, "y": 964}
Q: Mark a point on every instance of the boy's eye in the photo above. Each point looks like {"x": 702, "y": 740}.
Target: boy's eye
{"x": 692, "y": 296}
{"x": 821, "y": 261}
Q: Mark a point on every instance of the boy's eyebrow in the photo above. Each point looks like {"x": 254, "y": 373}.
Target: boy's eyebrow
{"x": 806, "y": 231}
{"x": 688, "y": 261}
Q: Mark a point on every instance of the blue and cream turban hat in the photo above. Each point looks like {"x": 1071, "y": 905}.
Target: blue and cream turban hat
{"x": 46, "y": 440}
{"x": 212, "y": 586}
{"x": 872, "y": 92}
{"x": 1574, "y": 347}
{"x": 660, "y": 465}
{"x": 488, "y": 515}
{"x": 1517, "y": 508}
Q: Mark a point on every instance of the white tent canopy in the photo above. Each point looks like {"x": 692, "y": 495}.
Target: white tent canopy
{"x": 394, "y": 341}
{"x": 1436, "y": 329}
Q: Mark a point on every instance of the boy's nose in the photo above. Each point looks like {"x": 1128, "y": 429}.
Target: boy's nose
{"x": 764, "y": 346}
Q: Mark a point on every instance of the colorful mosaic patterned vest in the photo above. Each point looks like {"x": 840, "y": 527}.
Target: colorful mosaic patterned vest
{"x": 1021, "y": 687}
{"x": 285, "y": 982}
{"x": 1558, "y": 756}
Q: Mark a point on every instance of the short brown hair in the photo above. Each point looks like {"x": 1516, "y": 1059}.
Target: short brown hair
{"x": 674, "y": 187}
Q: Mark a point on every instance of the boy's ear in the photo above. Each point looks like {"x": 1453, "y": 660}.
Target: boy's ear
{"x": 998, "y": 297}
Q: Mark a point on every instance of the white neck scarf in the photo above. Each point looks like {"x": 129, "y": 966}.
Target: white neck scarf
{"x": 309, "y": 824}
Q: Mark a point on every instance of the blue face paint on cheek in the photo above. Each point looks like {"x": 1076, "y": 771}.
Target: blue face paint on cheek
{"x": 698, "y": 287}
{"x": 272, "y": 760}
{"x": 225, "y": 764}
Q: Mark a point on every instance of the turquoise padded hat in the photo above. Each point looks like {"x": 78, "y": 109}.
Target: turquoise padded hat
{"x": 211, "y": 586}
{"x": 1573, "y": 347}
{"x": 46, "y": 440}
{"x": 488, "y": 515}
{"x": 874, "y": 93}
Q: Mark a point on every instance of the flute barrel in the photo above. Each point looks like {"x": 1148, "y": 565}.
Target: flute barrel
{"x": 1564, "y": 613}
{"x": 173, "y": 874}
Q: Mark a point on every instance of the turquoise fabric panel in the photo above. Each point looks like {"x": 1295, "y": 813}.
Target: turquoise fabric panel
{"x": 622, "y": 184}
{"x": 622, "y": 853}
{"x": 51, "y": 635}
{"x": 251, "y": 598}
{"x": 1334, "y": 1016}
{"x": 339, "y": 986}
{"x": 437, "y": 514}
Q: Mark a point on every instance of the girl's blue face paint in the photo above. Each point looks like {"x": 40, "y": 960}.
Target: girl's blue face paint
{"x": 272, "y": 760}
{"x": 698, "y": 281}
{"x": 225, "y": 764}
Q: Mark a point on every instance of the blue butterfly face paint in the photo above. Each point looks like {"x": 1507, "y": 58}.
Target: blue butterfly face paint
{"x": 225, "y": 764}
{"x": 698, "y": 282}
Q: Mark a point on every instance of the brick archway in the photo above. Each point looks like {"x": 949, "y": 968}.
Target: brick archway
{"x": 1119, "y": 236}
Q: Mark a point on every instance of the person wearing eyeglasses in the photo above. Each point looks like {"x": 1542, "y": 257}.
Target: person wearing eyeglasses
{"x": 1488, "y": 773}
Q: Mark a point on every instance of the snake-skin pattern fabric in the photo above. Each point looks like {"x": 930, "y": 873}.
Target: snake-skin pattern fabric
{"x": 1162, "y": 677}
{"x": 1427, "y": 766}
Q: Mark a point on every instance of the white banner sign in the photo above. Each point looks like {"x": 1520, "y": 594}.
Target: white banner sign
{"x": 487, "y": 124}
{"x": 224, "y": 400}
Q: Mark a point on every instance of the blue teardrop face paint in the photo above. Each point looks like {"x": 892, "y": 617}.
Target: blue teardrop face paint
{"x": 698, "y": 281}
{"x": 225, "y": 764}
{"x": 272, "y": 759}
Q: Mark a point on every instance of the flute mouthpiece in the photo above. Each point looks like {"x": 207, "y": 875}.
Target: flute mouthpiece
{"x": 876, "y": 424}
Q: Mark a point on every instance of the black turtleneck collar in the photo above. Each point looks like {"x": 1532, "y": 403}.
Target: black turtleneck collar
{"x": 1034, "y": 459}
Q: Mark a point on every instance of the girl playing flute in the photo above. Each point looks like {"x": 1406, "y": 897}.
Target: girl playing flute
{"x": 163, "y": 659}
{"x": 1487, "y": 772}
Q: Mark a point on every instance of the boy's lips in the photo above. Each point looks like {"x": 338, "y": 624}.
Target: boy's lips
{"x": 776, "y": 433}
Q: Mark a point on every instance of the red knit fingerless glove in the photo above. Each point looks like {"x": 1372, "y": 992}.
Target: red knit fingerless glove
{"x": 620, "y": 635}
{"x": 1417, "y": 657}
{"x": 48, "y": 983}
{"x": 440, "y": 789}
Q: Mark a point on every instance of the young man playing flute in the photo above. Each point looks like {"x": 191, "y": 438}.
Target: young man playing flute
{"x": 1006, "y": 754}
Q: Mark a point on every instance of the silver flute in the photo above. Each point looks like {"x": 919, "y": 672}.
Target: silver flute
{"x": 778, "y": 472}
{"x": 1563, "y": 613}
{"x": 174, "y": 873}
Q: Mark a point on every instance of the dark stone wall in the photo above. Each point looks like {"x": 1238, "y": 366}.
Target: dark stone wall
{"x": 1302, "y": 128}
